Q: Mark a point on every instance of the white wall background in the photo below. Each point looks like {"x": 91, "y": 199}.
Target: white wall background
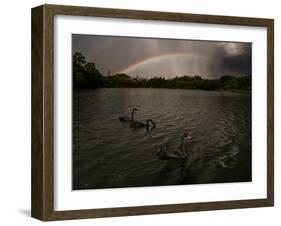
{"x": 15, "y": 112}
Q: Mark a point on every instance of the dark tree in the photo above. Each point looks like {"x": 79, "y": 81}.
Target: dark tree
{"x": 85, "y": 75}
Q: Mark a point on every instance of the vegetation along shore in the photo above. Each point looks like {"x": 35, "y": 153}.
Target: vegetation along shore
{"x": 86, "y": 75}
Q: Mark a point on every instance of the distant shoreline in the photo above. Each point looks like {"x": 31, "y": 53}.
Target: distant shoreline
{"x": 219, "y": 90}
{"x": 86, "y": 75}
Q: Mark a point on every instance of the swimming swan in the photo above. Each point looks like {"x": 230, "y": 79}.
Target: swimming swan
{"x": 165, "y": 152}
{"x": 128, "y": 119}
{"x": 137, "y": 124}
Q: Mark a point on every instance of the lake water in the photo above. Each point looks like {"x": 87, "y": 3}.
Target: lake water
{"x": 108, "y": 153}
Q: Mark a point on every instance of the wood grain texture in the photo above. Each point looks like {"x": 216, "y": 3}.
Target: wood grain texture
{"x": 42, "y": 113}
{"x": 157, "y": 209}
{"x": 43, "y": 107}
{"x": 153, "y": 15}
{"x": 37, "y": 158}
{"x": 270, "y": 111}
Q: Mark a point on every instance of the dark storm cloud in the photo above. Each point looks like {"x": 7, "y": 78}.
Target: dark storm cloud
{"x": 147, "y": 57}
{"x": 240, "y": 64}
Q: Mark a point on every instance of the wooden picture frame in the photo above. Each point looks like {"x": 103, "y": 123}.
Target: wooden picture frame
{"x": 42, "y": 205}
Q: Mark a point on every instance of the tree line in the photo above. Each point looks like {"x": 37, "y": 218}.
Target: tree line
{"x": 86, "y": 75}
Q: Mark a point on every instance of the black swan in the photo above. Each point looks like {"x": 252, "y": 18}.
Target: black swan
{"x": 137, "y": 124}
{"x": 165, "y": 152}
{"x": 128, "y": 119}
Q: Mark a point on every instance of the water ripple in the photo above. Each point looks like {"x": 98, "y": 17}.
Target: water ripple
{"x": 107, "y": 153}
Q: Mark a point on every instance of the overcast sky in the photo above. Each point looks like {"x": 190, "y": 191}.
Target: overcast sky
{"x": 149, "y": 57}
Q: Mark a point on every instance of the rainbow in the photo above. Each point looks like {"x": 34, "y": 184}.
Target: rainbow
{"x": 157, "y": 59}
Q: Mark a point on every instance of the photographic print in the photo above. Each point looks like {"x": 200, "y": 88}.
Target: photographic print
{"x": 147, "y": 112}
{"x": 154, "y": 112}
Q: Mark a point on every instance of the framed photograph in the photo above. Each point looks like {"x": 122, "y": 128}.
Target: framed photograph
{"x": 141, "y": 112}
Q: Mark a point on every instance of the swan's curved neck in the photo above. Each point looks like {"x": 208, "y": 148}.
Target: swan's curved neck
{"x": 149, "y": 121}
{"x": 133, "y": 115}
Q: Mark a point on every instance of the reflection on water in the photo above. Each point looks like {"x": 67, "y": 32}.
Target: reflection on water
{"x": 108, "y": 153}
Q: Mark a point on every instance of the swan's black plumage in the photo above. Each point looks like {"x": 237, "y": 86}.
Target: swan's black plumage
{"x": 137, "y": 124}
{"x": 128, "y": 119}
{"x": 165, "y": 152}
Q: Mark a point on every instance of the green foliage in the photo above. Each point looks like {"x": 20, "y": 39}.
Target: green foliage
{"x": 86, "y": 75}
{"x": 117, "y": 80}
{"x": 245, "y": 83}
